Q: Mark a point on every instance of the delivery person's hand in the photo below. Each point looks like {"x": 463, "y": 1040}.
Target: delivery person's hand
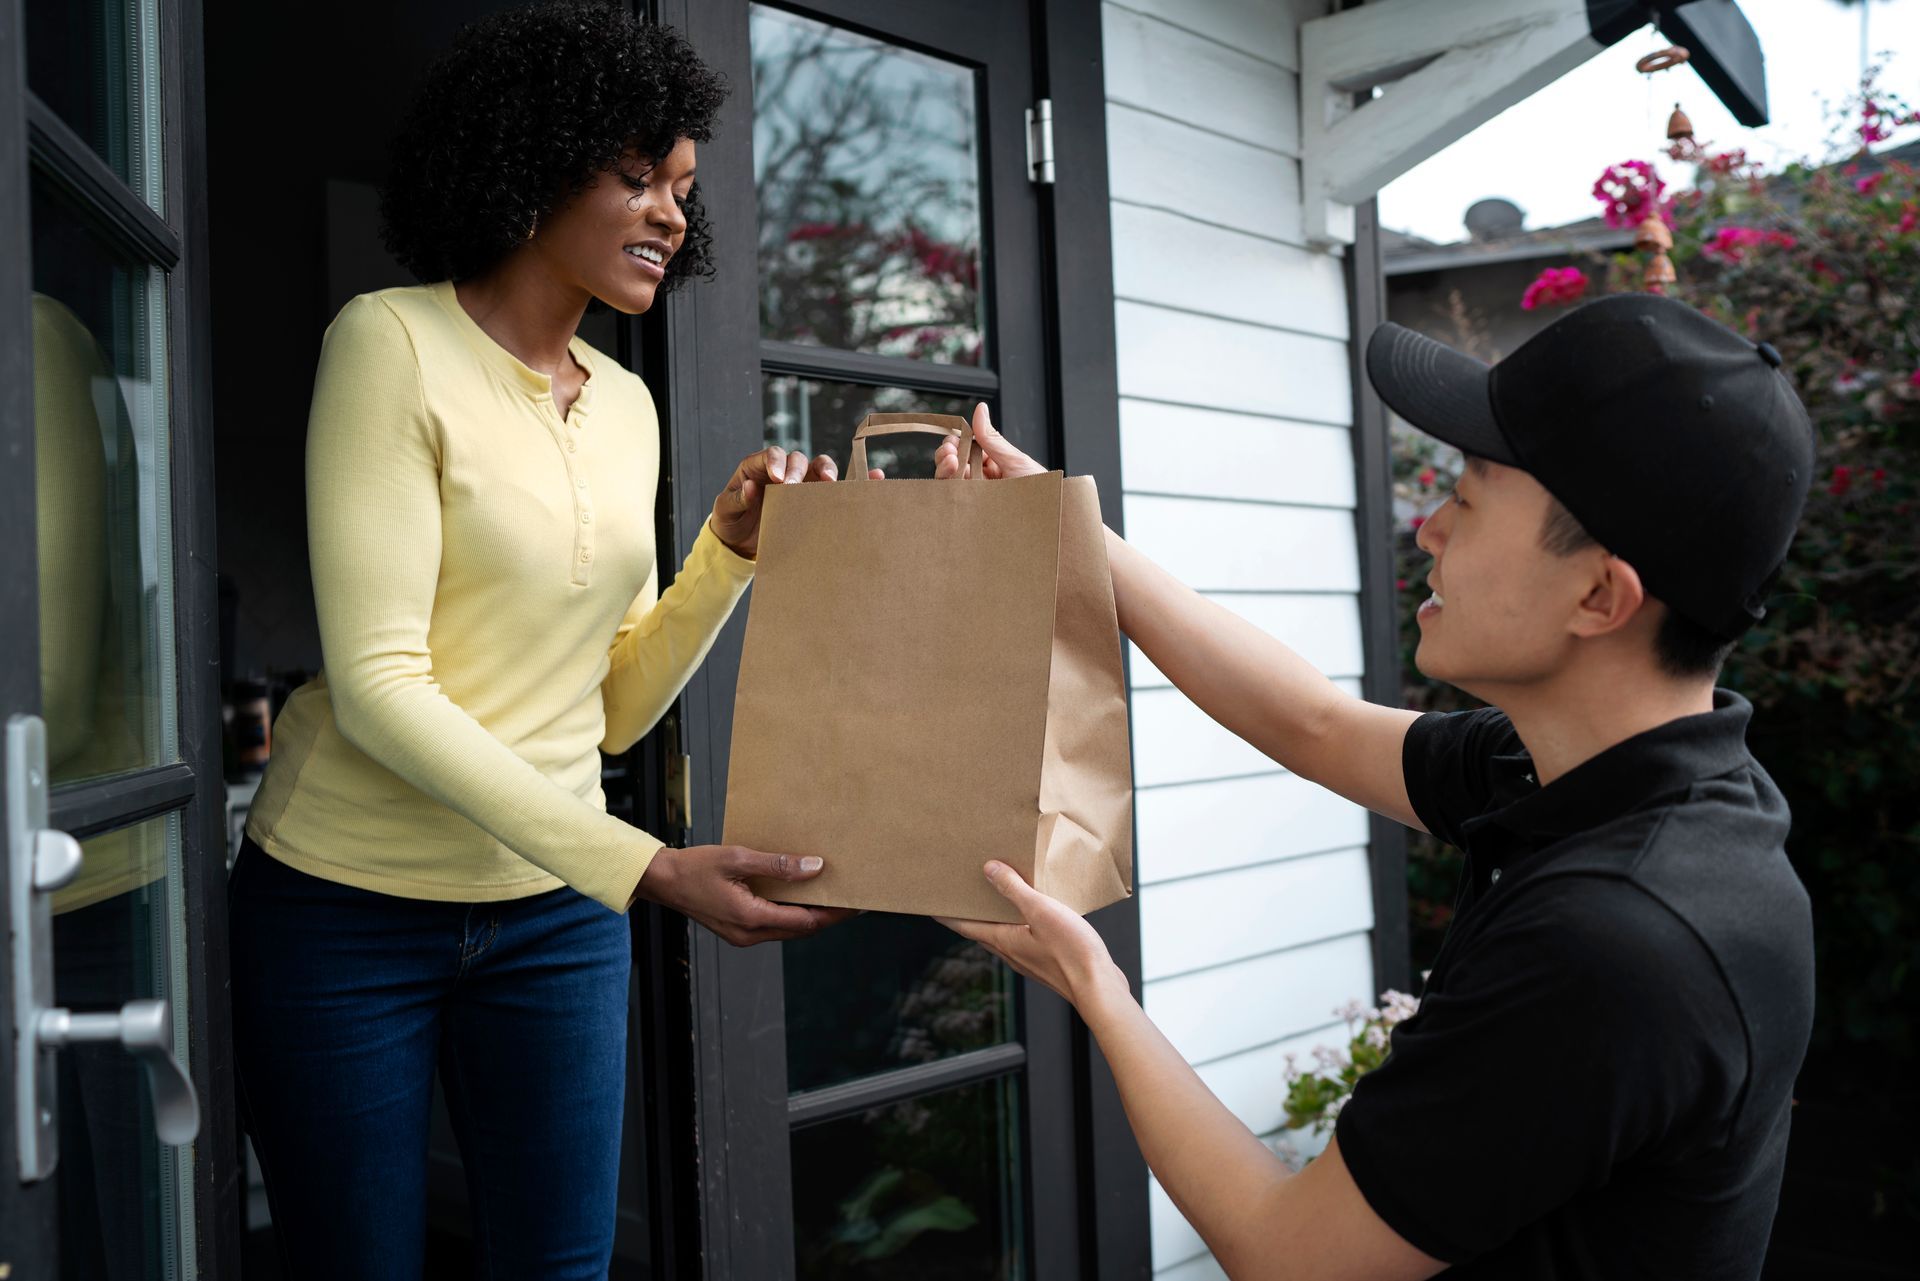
{"x": 736, "y": 511}
{"x": 1056, "y": 945}
{"x": 709, "y": 884}
{"x": 1002, "y": 459}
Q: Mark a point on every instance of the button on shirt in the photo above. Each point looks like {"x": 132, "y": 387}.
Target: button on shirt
{"x": 1598, "y": 1081}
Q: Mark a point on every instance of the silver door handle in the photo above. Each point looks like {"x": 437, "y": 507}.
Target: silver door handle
{"x": 40, "y": 861}
{"x": 145, "y": 1030}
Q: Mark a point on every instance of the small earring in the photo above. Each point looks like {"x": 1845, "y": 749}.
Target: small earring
{"x": 535, "y": 227}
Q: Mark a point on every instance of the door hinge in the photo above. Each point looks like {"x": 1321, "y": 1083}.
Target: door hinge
{"x": 680, "y": 790}
{"x": 1040, "y": 142}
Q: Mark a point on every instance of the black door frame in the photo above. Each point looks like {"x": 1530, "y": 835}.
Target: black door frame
{"x": 33, "y": 136}
{"x": 1083, "y": 1168}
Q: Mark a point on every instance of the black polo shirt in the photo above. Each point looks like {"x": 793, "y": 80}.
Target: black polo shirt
{"x": 1598, "y": 1081}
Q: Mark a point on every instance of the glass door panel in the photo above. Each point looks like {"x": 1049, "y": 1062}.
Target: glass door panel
{"x": 96, "y": 65}
{"x": 126, "y": 1201}
{"x": 923, "y": 1190}
{"x": 867, "y": 163}
{"x": 102, "y": 499}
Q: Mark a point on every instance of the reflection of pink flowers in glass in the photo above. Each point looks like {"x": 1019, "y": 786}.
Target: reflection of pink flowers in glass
{"x": 1730, "y": 244}
{"x": 1629, "y": 190}
{"x": 1866, "y": 186}
{"x": 1554, "y": 286}
{"x": 823, "y": 231}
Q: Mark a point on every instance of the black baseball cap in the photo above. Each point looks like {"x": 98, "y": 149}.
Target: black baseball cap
{"x": 1674, "y": 441}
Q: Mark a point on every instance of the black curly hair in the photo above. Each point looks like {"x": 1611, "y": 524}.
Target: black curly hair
{"x": 524, "y": 112}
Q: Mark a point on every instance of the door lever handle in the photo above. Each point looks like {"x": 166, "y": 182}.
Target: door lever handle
{"x": 145, "y": 1030}
{"x": 39, "y": 860}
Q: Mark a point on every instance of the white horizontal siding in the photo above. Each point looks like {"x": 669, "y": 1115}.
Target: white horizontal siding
{"x": 1265, "y": 29}
{"x": 1176, "y": 449}
{"x": 1237, "y": 822}
{"x": 1160, "y": 67}
{"x": 1228, "y": 364}
{"x": 1237, "y": 475}
{"x": 1165, "y": 164}
{"x": 1173, "y": 261}
{"x": 1210, "y": 1014}
{"x": 1246, "y": 547}
{"x": 1197, "y": 923}
{"x": 1213, "y": 1016}
{"x": 1325, "y": 630}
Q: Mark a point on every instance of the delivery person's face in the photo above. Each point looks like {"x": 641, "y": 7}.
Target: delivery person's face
{"x": 614, "y": 238}
{"x": 1502, "y": 602}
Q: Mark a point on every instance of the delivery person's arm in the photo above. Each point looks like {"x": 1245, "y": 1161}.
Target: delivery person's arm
{"x": 1261, "y": 1222}
{"x": 1236, "y": 673}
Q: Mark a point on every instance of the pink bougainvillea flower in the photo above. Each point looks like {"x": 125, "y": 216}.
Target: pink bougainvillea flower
{"x": 1426, "y": 477}
{"x": 1913, "y": 379}
{"x": 1553, "y": 286}
{"x": 1419, "y": 521}
{"x": 1879, "y": 478}
{"x": 1730, "y": 244}
{"x": 1868, "y": 185}
{"x": 1629, "y": 190}
{"x": 1842, "y": 481}
{"x": 1909, "y": 219}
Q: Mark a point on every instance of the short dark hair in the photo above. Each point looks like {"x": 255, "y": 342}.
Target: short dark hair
{"x": 1682, "y": 647}
{"x": 525, "y": 110}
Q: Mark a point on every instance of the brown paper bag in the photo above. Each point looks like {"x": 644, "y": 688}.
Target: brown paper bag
{"x": 931, "y": 679}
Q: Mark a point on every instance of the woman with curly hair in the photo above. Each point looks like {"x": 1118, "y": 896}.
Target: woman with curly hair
{"x": 431, "y": 882}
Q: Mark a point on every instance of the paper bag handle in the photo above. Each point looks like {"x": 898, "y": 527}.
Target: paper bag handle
{"x": 931, "y": 424}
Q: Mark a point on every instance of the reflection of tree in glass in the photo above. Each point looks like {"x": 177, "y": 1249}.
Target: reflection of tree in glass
{"x": 922, "y": 1190}
{"x": 960, "y": 1003}
{"x": 868, "y": 179}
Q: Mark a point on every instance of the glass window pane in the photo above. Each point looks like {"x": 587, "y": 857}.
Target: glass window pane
{"x": 867, "y": 163}
{"x": 102, "y": 493}
{"x": 96, "y": 64}
{"x": 118, "y": 931}
{"x": 883, "y": 992}
{"x": 925, "y": 1190}
{"x": 821, "y": 417}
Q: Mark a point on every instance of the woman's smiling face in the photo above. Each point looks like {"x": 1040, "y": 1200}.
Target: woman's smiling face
{"x": 615, "y": 238}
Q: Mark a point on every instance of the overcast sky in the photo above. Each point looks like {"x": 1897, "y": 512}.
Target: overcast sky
{"x": 1544, "y": 153}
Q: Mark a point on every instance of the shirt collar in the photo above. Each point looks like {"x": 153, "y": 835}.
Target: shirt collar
{"x": 514, "y": 371}
{"x": 1662, "y": 761}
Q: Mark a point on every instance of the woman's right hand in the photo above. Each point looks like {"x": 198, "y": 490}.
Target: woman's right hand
{"x": 709, "y": 884}
{"x": 1001, "y": 460}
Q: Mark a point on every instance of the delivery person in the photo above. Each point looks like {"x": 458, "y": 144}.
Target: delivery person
{"x": 1597, "y": 1083}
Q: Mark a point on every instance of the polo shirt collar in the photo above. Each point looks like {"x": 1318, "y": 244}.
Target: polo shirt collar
{"x": 1662, "y": 761}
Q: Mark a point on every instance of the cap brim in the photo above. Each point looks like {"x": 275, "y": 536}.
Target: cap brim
{"x": 1444, "y": 393}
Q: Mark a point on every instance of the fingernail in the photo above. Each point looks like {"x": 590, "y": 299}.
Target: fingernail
{"x": 812, "y": 863}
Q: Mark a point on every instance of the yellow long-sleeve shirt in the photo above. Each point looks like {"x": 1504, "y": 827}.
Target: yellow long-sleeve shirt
{"x": 484, "y": 574}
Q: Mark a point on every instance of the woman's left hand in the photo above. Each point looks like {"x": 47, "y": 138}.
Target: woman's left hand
{"x": 1056, "y": 945}
{"x": 736, "y": 512}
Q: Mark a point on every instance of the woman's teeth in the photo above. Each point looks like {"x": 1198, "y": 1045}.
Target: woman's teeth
{"x": 649, "y": 253}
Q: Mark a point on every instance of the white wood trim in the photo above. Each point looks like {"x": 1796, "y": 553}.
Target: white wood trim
{"x": 1448, "y": 68}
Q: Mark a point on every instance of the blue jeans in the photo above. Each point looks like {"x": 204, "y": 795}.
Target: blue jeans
{"x": 346, "y": 1002}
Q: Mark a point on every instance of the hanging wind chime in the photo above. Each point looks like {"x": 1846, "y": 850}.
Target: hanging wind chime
{"x": 1652, "y": 236}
